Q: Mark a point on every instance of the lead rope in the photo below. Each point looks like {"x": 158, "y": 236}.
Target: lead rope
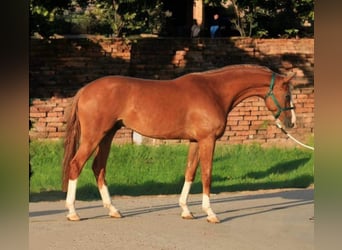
{"x": 278, "y": 123}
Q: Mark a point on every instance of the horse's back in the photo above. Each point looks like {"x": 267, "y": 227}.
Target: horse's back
{"x": 143, "y": 90}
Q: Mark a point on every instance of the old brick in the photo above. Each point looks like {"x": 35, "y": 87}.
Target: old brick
{"x": 236, "y": 118}
{"x": 52, "y": 114}
{"x": 250, "y": 117}
{"x": 51, "y": 129}
{"x": 246, "y": 133}
{"x": 241, "y": 127}
{"x": 234, "y": 112}
{"x": 33, "y": 109}
{"x": 56, "y": 134}
{"x": 39, "y": 114}
{"x": 58, "y": 109}
{"x": 244, "y": 122}
{"x": 309, "y": 105}
{"x": 56, "y": 124}
{"x": 303, "y": 110}
{"x": 232, "y": 122}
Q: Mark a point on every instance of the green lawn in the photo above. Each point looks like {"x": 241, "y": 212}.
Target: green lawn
{"x": 146, "y": 170}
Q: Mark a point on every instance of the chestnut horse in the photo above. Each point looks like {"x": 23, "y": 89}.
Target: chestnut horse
{"x": 193, "y": 107}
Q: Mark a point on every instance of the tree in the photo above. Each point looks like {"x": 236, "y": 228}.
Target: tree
{"x": 253, "y": 18}
{"x": 118, "y": 17}
{"x": 130, "y": 16}
{"x": 43, "y": 15}
{"x": 274, "y": 18}
{"x": 270, "y": 18}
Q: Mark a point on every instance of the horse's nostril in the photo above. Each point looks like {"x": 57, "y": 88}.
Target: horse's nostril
{"x": 290, "y": 125}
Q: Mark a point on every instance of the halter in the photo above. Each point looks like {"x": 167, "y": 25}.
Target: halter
{"x": 270, "y": 93}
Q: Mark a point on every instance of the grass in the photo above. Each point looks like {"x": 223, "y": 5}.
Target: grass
{"x": 150, "y": 170}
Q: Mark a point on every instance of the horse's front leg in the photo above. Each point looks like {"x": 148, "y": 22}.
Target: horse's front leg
{"x": 206, "y": 152}
{"x": 190, "y": 172}
{"x": 104, "y": 192}
{"x": 107, "y": 201}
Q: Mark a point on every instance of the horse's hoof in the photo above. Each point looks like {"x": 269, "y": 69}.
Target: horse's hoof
{"x": 213, "y": 219}
{"x": 188, "y": 216}
{"x": 73, "y": 217}
{"x": 115, "y": 214}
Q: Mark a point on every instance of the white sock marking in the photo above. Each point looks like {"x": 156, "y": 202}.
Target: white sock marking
{"x": 184, "y": 198}
{"x": 105, "y": 195}
{"x": 185, "y": 192}
{"x": 107, "y": 200}
{"x": 206, "y": 205}
{"x": 71, "y": 196}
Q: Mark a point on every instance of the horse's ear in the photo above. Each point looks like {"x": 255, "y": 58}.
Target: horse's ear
{"x": 289, "y": 77}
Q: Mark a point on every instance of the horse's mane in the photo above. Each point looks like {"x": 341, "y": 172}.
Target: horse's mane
{"x": 234, "y": 67}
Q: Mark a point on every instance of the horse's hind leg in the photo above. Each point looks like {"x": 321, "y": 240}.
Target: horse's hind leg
{"x": 77, "y": 163}
{"x": 99, "y": 169}
{"x": 192, "y": 164}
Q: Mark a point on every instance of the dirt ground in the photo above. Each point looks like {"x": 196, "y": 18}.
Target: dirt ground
{"x": 268, "y": 219}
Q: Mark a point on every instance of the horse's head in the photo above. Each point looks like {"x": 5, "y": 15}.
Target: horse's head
{"x": 279, "y": 100}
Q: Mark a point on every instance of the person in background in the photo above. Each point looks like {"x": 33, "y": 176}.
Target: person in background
{"x": 214, "y": 27}
{"x": 195, "y": 29}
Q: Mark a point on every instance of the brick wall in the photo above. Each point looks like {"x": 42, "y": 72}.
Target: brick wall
{"x": 58, "y": 68}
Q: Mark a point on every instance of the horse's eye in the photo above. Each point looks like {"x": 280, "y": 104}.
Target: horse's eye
{"x": 288, "y": 98}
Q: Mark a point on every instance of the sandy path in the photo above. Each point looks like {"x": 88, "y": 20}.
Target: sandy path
{"x": 272, "y": 219}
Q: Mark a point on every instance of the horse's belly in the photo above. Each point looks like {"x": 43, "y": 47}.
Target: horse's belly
{"x": 159, "y": 129}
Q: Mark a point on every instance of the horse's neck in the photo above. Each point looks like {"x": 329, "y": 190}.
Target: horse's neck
{"x": 249, "y": 92}
{"x": 236, "y": 89}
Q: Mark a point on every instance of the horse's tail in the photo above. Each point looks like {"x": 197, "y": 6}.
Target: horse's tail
{"x": 71, "y": 140}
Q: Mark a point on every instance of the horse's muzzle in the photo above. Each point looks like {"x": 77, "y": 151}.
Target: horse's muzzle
{"x": 288, "y": 123}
